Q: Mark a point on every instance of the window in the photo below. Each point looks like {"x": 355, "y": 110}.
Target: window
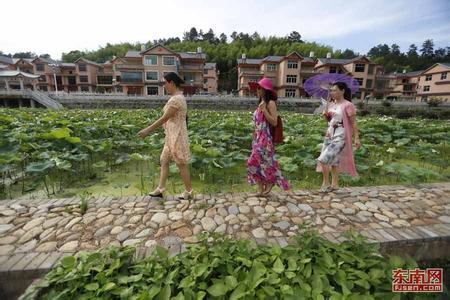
{"x": 42, "y": 78}
{"x": 291, "y": 78}
{"x": 428, "y": 77}
{"x": 189, "y": 77}
{"x": 82, "y": 68}
{"x": 405, "y": 80}
{"x": 360, "y": 67}
{"x": 290, "y": 93}
{"x": 151, "y": 60}
{"x": 151, "y": 75}
{"x": 104, "y": 79}
{"x": 205, "y": 81}
{"x": 59, "y": 81}
{"x": 131, "y": 77}
{"x": 360, "y": 81}
{"x": 371, "y": 69}
{"x": 40, "y": 67}
{"x": 426, "y": 88}
{"x": 119, "y": 89}
{"x": 407, "y": 88}
{"x": 152, "y": 90}
{"x": 369, "y": 83}
{"x": 85, "y": 89}
{"x": 83, "y": 78}
{"x": 333, "y": 69}
{"x": 43, "y": 88}
{"x": 443, "y": 76}
{"x": 72, "y": 80}
{"x": 118, "y": 78}
{"x": 271, "y": 67}
{"x": 205, "y": 71}
{"x": 292, "y": 64}
{"x": 168, "y": 61}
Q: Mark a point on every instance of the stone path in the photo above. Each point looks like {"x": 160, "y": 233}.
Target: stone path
{"x": 36, "y": 233}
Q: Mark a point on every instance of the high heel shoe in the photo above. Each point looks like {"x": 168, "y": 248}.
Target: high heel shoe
{"x": 186, "y": 195}
{"x": 158, "y": 193}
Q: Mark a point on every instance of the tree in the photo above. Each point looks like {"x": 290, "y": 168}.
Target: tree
{"x": 440, "y": 53}
{"x": 295, "y": 37}
{"x": 210, "y": 37}
{"x": 427, "y": 48}
{"x": 72, "y": 56}
{"x": 395, "y": 50}
{"x": 412, "y": 52}
{"x": 173, "y": 40}
{"x": 191, "y": 35}
{"x": 223, "y": 38}
{"x": 45, "y": 55}
{"x": 24, "y": 55}
{"x": 255, "y": 36}
{"x": 348, "y": 53}
{"x": 234, "y": 35}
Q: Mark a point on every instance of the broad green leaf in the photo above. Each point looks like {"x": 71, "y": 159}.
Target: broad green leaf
{"x": 68, "y": 262}
{"x": 278, "y": 266}
{"x": 217, "y": 290}
{"x": 92, "y": 286}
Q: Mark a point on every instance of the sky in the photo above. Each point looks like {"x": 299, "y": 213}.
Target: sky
{"x": 57, "y": 26}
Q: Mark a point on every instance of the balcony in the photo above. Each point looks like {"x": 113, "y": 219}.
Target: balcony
{"x": 191, "y": 68}
{"x": 130, "y": 66}
{"x": 104, "y": 80}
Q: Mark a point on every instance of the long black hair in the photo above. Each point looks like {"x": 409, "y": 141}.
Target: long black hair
{"x": 347, "y": 91}
{"x": 268, "y": 95}
{"x": 173, "y": 77}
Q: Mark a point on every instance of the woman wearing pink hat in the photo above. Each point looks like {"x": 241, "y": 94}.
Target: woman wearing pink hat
{"x": 263, "y": 168}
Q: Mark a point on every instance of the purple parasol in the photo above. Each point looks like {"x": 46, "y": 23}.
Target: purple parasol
{"x": 319, "y": 86}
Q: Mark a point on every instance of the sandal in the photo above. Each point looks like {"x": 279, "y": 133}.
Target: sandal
{"x": 326, "y": 189}
{"x": 186, "y": 195}
{"x": 158, "y": 193}
{"x": 267, "y": 192}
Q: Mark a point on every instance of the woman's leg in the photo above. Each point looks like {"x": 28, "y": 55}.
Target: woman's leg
{"x": 335, "y": 178}
{"x": 261, "y": 188}
{"x": 325, "y": 174}
{"x": 164, "y": 173}
{"x": 186, "y": 176}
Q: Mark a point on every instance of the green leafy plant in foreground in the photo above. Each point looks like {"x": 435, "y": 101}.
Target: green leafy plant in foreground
{"x": 224, "y": 268}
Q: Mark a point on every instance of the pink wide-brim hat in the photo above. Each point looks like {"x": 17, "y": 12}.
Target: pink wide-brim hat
{"x": 264, "y": 83}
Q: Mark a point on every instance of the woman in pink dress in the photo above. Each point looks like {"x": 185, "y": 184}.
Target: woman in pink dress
{"x": 337, "y": 152}
{"x": 263, "y": 168}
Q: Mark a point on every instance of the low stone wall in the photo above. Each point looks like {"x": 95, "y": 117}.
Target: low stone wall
{"x": 35, "y": 234}
{"x": 305, "y": 106}
{"x": 298, "y": 105}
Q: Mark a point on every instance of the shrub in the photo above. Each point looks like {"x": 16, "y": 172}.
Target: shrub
{"x": 386, "y": 103}
{"x": 360, "y": 105}
{"x": 364, "y": 112}
{"x": 229, "y": 269}
{"x": 404, "y": 114}
{"x": 434, "y": 101}
{"x": 444, "y": 114}
{"x": 430, "y": 114}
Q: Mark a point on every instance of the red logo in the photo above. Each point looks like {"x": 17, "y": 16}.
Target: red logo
{"x": 417, "y": 280}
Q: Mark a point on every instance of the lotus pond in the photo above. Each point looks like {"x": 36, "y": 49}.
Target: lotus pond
{"x": 64, "y": 153}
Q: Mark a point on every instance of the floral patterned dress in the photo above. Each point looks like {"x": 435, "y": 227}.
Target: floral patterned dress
{"x": 334, "y": 142}
{"x": 176, "y": 145}
{"x": 262, "y": 167}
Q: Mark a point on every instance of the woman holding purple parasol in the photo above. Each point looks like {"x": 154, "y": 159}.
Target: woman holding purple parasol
{"x": 337, "y": 153}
